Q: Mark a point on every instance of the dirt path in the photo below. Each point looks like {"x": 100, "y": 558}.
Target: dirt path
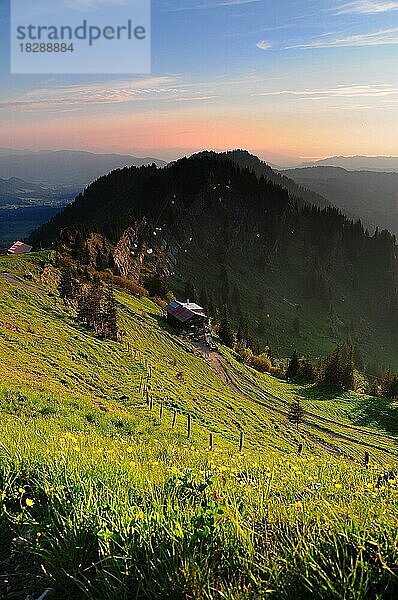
{"x": 267, "y": 400}
{"x": 324, "y": 420}
{"x": 20, "y": 283}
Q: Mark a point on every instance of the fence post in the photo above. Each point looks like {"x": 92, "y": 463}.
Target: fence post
{"x": 366, "y": 459}
{"x": 174, "y": 418}
{"x": 300, "y": 450}
{"x": 151, "y": 403}
{"x": 189, "y": 426}
{"x": 242, "y": 437}
{"x": 211, "y": 441}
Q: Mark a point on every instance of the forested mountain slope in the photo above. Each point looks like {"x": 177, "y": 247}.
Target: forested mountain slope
{"x": 303, "y": 277}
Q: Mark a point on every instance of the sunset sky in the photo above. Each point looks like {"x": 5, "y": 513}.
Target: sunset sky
{"x": 290, "y": 80}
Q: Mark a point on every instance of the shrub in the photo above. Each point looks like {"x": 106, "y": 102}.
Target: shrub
{"x": 278, "y": 372}
{"x": 123, "y": 283}
{"x": 260, "y": 363}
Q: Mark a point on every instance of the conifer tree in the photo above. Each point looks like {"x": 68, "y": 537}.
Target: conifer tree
{"x": 109, "y": 329}
{"x": 226, "y": 332}
{"x": 306, "y": 371}
{"x": 332, "y": 368}
{"x": 296, "y": 413}
{"x": 293, "y": 368}
{"x": 347, "y": 378}
{"x": 67, "y": 286}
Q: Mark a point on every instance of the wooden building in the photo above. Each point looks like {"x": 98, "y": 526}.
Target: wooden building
{"x": 186, "y": 316}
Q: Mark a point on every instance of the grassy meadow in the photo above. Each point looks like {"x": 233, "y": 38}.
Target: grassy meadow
{"x": 106, "y": 497}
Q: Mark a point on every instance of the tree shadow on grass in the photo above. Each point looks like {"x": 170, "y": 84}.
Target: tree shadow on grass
{"x": 366, "y": 411}
{"x": 380, "y": 413}
{"x": 320, "y": 392}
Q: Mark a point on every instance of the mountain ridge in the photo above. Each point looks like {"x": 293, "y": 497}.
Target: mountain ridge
{"x": 368, "y": 195}
{"x": 244, "y": 242}
{"x": 355, "y": 163}
{"x": 66, "y": 167}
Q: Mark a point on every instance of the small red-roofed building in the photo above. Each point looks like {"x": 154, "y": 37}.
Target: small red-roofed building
{"x": 20, "y": 248}
{"x": 184, "y": 314}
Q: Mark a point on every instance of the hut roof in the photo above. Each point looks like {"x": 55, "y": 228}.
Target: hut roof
{"x": 184, "y": 312}
{"x": 20, "y": 248}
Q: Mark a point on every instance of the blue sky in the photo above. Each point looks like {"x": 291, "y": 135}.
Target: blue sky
{"x": 289, "y": 80}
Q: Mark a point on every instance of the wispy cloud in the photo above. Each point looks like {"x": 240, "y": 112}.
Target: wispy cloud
{"x": 83, "y": 5}
{"x": 366, "y": 7}
{"x": 263, "y": 45}
{"x": 207, "y": 4}
{"x": 115, "y": 92}
{"x": 194, "y": 98}
{"x": 339, "y": 91}
{"x": 257, "y": 31}
{"x": 383, "y": 37}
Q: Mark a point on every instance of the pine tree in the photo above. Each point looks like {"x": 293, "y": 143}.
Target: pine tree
{"x": 332, "y": 369}
{"x": 89, "y": 306}
{"x": 226, "y": 332}
{"x": 109, "y": 328}
{"x": 347, "y": 378}
{"x": 293, "y": 368}
{"x": 296, "y": 413}
{"x": 306, "y": 371}
{"x": 67, "y": 286}
{"x": 339, "y": 368}
{"x": 389, "y": 385}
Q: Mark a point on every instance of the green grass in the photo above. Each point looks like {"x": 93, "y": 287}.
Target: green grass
{"x": 102, "y": 499}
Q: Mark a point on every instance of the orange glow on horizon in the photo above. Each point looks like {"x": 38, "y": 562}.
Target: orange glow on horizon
{"x": 287, "y": 136}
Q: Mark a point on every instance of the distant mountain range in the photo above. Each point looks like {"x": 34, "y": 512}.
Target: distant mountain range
{"x": 387, "y": 164}
{"x": 368, "y": 195}
{"x": 15, "y": 193}
{"x": 65, "y": 167}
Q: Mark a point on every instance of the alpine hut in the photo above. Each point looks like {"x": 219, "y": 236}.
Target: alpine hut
{"x": 186, "y": 316}
{"x": 19, "y": 248}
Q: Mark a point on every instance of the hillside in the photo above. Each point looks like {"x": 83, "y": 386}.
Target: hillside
{"x": 65, "y": 167}
{"x": 368, "y": 195}
{"x": 103, "y": 497}
{"x": 303, "y": 277}
{"x": 358, "y": 163}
